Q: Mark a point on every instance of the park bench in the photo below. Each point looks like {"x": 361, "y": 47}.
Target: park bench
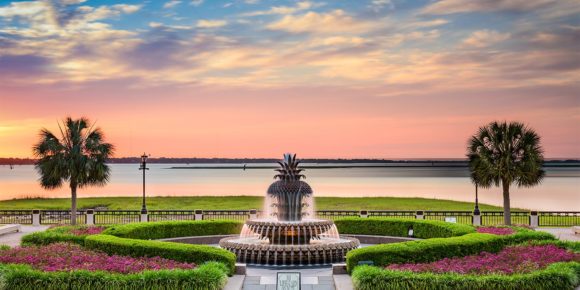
{"x": 5, "y": 229}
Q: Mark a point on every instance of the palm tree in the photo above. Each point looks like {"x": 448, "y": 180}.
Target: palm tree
{"x": 505, "y": 153}
{"x": 78, "y": 158}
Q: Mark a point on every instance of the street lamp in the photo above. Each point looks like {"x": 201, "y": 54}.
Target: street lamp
{"x": 476, "y": 210}
{"x": 144, "y": 167}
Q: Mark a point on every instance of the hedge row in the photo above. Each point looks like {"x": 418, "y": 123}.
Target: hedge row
{"x": 424, "y": 229}
{"x": 55, "y": 235}
{"x": 438, "y": 248}
{"x": 172, "y": 229}
{"x": 198, "y": 254}
{"x": 556, "y": 276}
{"x": 210, "y": 276}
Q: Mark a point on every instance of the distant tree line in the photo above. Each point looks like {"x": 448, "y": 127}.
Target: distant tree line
{"x": 458, "y": 162}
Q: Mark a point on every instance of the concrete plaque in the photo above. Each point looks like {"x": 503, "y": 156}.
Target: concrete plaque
{"x": 288, "y": 281}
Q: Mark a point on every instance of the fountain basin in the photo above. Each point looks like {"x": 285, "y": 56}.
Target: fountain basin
{"x": 322, "y": 251}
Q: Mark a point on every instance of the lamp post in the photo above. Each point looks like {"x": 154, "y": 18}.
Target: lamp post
{"x": 476, "y": 210}
{"x": 144, "y": 167}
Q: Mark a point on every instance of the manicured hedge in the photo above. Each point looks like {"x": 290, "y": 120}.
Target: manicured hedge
{"x": 55, "y": 235}
{"x": 556, "y": 276}
{"x": 198, "y": 254}
{"x": 210, "y": 276}
{"x": 172, "y": 229}
{"x": 424, "y": 229}
{"x": 438, "y": 248}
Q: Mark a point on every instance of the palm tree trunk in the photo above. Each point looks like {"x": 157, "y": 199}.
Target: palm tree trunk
{"x": 73, "y": 208}
{"x": 507, "y": 220}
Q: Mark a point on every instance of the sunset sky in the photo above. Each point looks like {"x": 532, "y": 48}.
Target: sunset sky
{"x": 257, "y": 78}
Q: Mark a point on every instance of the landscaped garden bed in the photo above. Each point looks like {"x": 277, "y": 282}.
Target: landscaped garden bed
{"x": 451, "y": 256}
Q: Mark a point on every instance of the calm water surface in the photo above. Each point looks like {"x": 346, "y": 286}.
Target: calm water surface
{"x": 560, "y": 190}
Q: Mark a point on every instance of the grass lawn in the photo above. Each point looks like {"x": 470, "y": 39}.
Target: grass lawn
{"x": 242, "y": 202}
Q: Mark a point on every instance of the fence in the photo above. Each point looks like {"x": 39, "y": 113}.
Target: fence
{"x": 16, "y": 217}
{"x": 487, "y": 218}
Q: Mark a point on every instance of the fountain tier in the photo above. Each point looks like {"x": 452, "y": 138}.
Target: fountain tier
{"x": 285, "y": 238}
{"x": 271, "y": 242}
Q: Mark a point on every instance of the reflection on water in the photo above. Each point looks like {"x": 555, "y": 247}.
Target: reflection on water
{"x": 560, "y": 190}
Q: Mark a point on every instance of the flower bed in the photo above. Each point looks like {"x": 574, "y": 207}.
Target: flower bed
{"x": 511, "y": 260}
{"x": 68, "y": 257}
{"x": 62, "y": 234}
{"x": 496, "y": 230}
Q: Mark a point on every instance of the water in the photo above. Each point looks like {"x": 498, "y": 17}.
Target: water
{"x": 560, "y": 190}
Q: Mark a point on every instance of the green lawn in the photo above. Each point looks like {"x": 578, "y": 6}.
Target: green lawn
{"x": 242, "y": 202}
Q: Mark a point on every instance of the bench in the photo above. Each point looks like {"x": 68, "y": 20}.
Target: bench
{"x": 576, "y": 230}
{"x": 5, "y": 229}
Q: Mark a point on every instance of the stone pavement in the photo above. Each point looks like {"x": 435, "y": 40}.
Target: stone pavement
{"x": 565, "y": 234}
{"x": 258, "y": 278}
{"x": 13, "y": 239}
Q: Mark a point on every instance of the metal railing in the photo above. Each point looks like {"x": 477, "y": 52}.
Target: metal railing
{"x": 460, "y": 217}
{"x": 240, "y": 215}
{"x": 558, "y": 218}
{"x": 16, "y": 217}
{"x": 107, "y": 217}
{"x": 487, "y": 218}
{"x": 336, "y": 214}
{"x": 58, "y": 217}
{"x": 491, "y": 218}
{"x": 406, "y": 214}
{"x": 171, "y": 215}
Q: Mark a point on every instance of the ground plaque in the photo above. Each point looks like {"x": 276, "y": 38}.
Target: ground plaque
{"x": 288, "y": 281}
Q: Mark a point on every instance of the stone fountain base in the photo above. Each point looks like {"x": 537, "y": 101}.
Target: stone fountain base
{"x": 285, "y": 243}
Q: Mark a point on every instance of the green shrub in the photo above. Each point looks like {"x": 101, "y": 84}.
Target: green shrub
{"x": 60, "y": 234}
{"x": 555, "y": 276}
{"x": 4, "y": 247}
{"x": 172, "y": 229}
{"x": 210, "y": 276}
{"x": 424, "y": 229}
{"x": 198, "y": 254}
{"x": 435, "y": 249}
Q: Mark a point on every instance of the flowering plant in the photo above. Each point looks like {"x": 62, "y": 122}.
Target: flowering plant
{"x": 511, "y": 260}
{"x": 495, "y": 230}
{"x": 85, "y": 231}
{"x": 67, "y": 257}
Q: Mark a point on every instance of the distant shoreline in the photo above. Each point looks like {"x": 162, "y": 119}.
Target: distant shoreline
{"x": 359, "y": 166}
{"x": 331, "y": 163}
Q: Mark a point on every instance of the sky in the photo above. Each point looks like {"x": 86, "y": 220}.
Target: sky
{"x": 258, "y": 78}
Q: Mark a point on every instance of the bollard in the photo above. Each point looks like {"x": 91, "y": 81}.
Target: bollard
{"x": 90, "y": 217}
{"x": 36, "y": 217}
{"x": 144, "y": 216}
{"x": 476, "y": 219}
{"x": 198, "y": 214}
{"x": 419, "y": 215}
{"x": 534, "y": 219}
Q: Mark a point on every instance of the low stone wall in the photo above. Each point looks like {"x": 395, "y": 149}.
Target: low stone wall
{"x": 371, "y": 239}
{"x": 198, "y": 240}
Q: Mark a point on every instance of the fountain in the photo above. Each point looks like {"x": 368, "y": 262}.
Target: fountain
{"x": 289, "y": 235}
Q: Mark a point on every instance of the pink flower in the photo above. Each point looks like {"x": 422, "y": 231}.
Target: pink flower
{"x": 495, "y": 230}
{"x": 67, "y": 257}
{"x": 511, "y": 260}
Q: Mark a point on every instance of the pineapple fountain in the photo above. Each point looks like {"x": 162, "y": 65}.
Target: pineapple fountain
{"x": 289, "y": 235}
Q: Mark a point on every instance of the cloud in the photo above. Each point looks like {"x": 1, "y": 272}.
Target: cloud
{"x": 467, "y": 6}
{"x": 196, "y": 2}
{"x": 126, "y": 8}
{"x": 171, "y": 4}
{"x": 484, "y": 38}
{"x": 336, "y": 21}
{"x": 23, "y": 65}
{"x": 300, "y": 6}
{"x": 204, "y": 23}
{"x": 380, "y": 4}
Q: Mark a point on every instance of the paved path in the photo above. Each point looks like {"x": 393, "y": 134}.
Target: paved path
{"x": 258, "y": 278}
{"x": 565, "y": 234}
{"x": 13, "y": 239}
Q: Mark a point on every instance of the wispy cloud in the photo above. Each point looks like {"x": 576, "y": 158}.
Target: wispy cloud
{"x": 204, "y": 23}
{"x": 171, "y": 4}
{"x": 336, "y": 21}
